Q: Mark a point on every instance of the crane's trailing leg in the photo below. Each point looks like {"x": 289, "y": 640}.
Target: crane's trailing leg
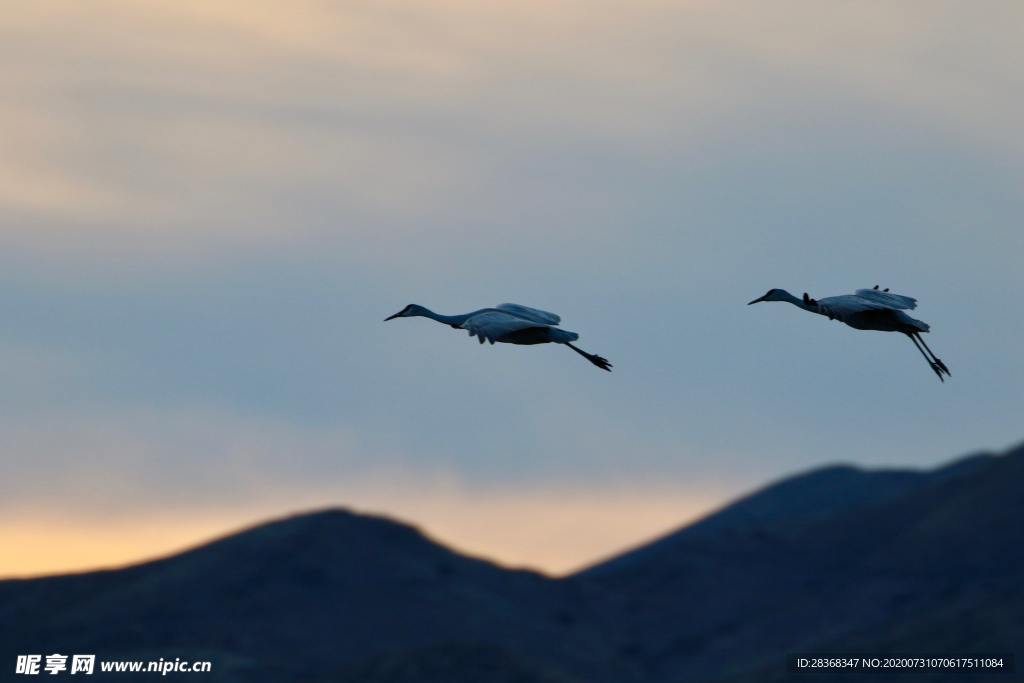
{"x": 595, "y": 359}
{"x": 935, "y": 366}
{"x": 942, "y": 366}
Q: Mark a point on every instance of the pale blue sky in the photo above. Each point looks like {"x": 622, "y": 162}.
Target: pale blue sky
{"x": 207, "y": 211}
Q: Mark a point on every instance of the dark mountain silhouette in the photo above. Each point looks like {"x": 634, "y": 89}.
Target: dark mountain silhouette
{"x": 836, "y": 560}
{"x": 307, "y": 594}
{"x": 867, "y": 572}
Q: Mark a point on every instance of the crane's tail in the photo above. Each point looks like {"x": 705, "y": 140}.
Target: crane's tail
{"x": 593, "y": 358}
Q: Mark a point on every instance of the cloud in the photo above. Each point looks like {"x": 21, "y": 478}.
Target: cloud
{"x": 177, "y": 127}
{"x": 137, "y": 459}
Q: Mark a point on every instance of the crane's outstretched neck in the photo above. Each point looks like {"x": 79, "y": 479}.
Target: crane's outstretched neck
{"x": 807, "y": 303}
{"x": 453, "y": 320}
{"x": 799, "y": 303}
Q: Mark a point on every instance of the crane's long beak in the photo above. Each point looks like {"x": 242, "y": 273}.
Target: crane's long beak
{"x": 391, "y": 317}
{"x": 761, "y": 298}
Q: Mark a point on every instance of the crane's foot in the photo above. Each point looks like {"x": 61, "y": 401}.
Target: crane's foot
{"x": 938, "y": 370}
{"x": 592, "y": 357}
{"x": 942, "y": 366}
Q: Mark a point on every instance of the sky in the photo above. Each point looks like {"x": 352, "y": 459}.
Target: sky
{"x": 207, "y": 209}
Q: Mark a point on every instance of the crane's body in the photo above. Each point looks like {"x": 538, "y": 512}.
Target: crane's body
{"x": 508, "y": 324}
{"x": 868, "y": 309}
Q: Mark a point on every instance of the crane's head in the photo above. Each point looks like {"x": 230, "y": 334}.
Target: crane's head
{"x": 773, "y": 295}
{"x": 408, "y": 312}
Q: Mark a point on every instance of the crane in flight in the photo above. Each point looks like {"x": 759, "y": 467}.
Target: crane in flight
{"x": 508, "y": 324}
{"x": 868, "y": 309}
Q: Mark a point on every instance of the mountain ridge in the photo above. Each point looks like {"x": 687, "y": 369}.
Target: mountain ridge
{"x": 861, "y": 485}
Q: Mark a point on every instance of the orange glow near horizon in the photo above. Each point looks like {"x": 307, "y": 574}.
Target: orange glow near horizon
{"x": 553, "y": 533}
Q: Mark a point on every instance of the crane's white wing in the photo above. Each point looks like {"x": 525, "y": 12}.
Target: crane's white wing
{"x": 888, "y": 299}
{"x": 533, "y": 314}
{"x": 494, "y": 324}
{"x": 846, "y": 305}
